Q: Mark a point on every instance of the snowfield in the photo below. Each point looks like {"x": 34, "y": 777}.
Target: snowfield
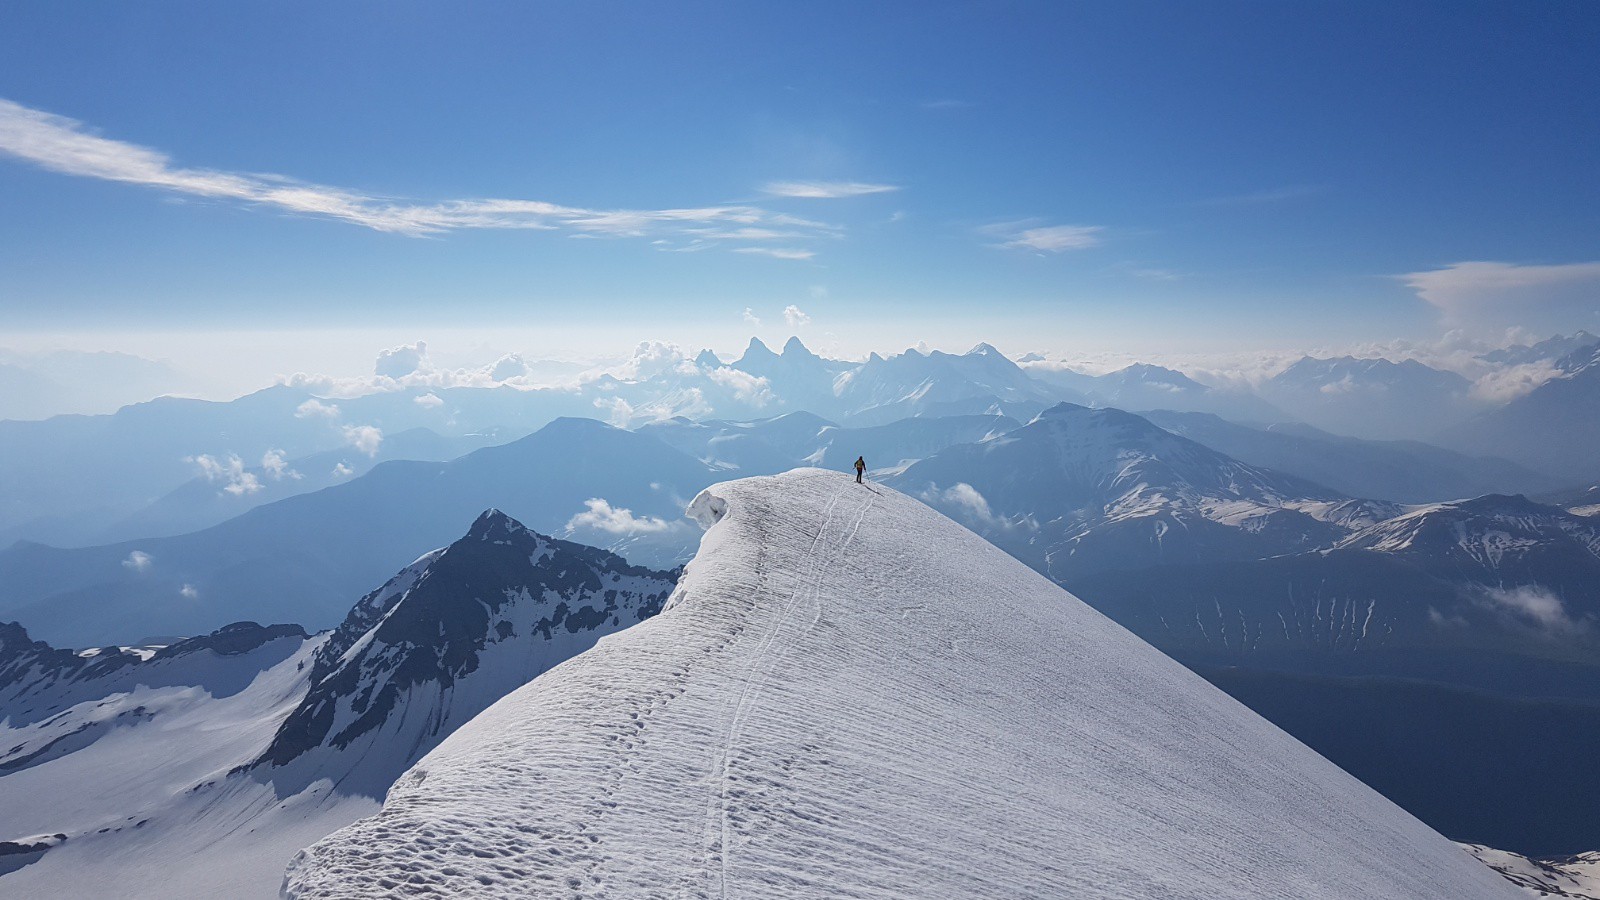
{"x": 850, "y": 695}
{"x": 199, "y": 772}
{"x": 136, "y": 784}
{"x": 1576, "y": 877}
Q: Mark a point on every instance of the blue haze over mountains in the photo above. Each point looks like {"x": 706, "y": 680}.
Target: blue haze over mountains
{"x": 1359, "y": 531}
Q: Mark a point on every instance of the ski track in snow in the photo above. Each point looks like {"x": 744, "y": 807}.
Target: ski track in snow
{"x": 852, "y": 696}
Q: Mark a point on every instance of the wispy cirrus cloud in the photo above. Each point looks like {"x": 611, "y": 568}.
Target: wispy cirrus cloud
{"x": 777, "y": 252}
{"x": 65, "y": 145}
{"x": 1467, "y": 287}
{"x": 1029, "y": 234}
{"x": 825, "y": 190}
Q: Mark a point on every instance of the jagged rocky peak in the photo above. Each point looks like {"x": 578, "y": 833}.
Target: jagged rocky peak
{"x": 708, "y": 360}
{"x": 756, "y": 350}
{"x": 793, "y": 348}
{"x": 24, "y": 659}
{"x": 14, "y": 641}
{"x": 494, "y": 525}
{"x": 984, "y": 348}
{"x": 453, "y": 632}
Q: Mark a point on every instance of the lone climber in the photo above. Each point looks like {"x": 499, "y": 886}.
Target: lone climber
{"x": 861, "y": 467}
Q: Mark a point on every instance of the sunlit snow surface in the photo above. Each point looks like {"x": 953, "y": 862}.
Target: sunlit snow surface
{"x": 137, "y": 781}
{"x": 1577, "y": 877}
{"x": 852, "y": 696}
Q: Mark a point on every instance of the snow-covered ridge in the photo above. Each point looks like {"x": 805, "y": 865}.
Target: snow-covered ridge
{"x": 850, "y": 695}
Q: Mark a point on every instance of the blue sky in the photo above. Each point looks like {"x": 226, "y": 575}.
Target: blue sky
{"x": 1038, "y": 174}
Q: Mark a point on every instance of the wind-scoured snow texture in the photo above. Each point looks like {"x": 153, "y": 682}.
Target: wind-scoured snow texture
{"x": 852, "y": 696}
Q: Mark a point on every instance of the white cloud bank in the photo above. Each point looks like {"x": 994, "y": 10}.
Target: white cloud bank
{"x": 602, "y": 516}
{"x": 67, "y": 146}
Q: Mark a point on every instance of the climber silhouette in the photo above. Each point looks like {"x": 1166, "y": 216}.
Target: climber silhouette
{"x": 861, "y": 466}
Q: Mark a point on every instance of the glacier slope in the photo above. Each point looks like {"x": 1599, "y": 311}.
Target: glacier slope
{"x": 853, "y": 696}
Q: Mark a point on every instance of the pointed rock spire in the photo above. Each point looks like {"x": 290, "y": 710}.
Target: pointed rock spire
{"x": 793, "y": 348}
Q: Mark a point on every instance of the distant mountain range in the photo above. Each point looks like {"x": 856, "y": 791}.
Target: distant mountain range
{"x": 37, "y": 385}
{"x": 1142, "y": 387}
{"x": 1406, "y": 471}
{"x": 170, "y": 465}
{"x": 1554, "y": 428}
{"x": 1372, "y": 398}
{"x": 1080, "y": 490}
{"x": 1075, "y": 493}
{"x": 1211, "y": 558}
{"x": 302, "y": 558}
{"x": 768, "y": 446}
{"x": 1543, "y": 351}
{"x": 215, "y": 497}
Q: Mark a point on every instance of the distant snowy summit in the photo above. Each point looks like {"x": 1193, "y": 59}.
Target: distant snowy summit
{"x": 851, "y": 695}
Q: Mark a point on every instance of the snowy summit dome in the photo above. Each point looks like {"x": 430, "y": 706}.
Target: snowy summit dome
{"x": 851, "y": 695}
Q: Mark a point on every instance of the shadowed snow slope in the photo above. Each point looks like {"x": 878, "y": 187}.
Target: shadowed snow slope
{"x": 850, "y": 695}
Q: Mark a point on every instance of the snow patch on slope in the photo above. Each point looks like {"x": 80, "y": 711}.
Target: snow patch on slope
{"x": 1577, "y": 877}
